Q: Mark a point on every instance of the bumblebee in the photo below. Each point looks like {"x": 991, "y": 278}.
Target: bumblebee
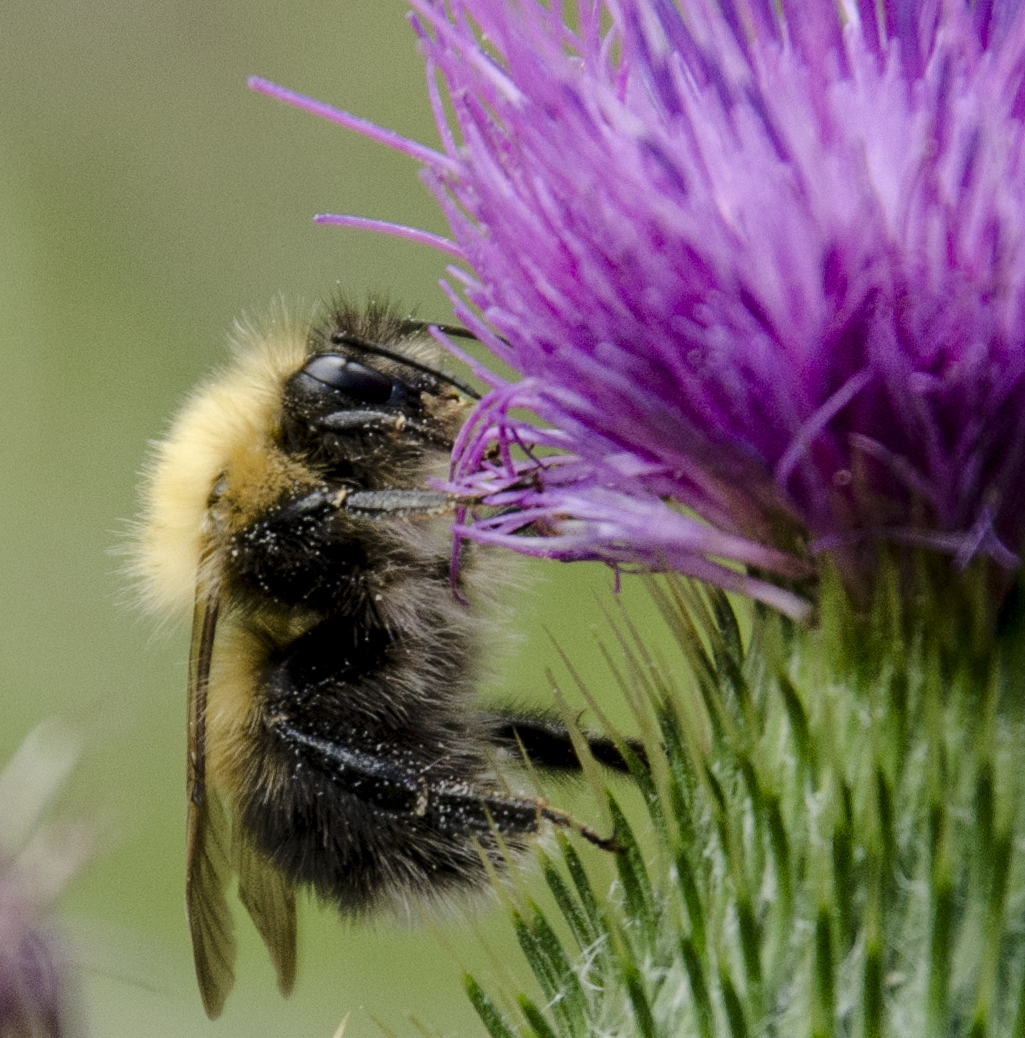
{"x": 333, "y": 739}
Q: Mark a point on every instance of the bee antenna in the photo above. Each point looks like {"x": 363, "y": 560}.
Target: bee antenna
{"x": 345, "y": 339}
{"x": 456, "y": 330}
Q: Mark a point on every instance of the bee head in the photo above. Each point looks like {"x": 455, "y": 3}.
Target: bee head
{"x": 333, "y": 394}
{"x": 370, "y": 414}
{"x": 359, "y": 409}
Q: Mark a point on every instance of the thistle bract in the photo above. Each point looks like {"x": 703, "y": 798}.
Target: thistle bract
{"x": 761, "y": 270}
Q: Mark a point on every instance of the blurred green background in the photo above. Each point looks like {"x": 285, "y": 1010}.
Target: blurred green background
{"x": 147, "y": 199}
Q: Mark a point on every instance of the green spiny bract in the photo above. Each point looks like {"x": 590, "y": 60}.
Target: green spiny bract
{"x": 833, "y": 843}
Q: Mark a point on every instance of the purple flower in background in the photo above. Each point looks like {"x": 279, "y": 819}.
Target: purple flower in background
{"x": 37, "y": 981}
{"x": 761, "y": 268}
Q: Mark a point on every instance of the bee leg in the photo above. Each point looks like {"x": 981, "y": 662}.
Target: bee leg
{"x": 461, "y": 807}
{"x": 300, "y": 551}
{"x": 310, "y": 515}
{"x": 341, "y": 423}
{"x": 378, "y": 783}
{"x": 547, "y": 743}
{"x": 321, "y": 505}
{"x": 567, "y": 821}
{"x": 391, "y": 504}
{"x": 452, "y": 807}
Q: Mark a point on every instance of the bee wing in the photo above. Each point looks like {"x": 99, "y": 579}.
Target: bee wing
{"x": 270, "y": 901}
{"x": 208, "y": 848}
{"x": 210, "y": 922}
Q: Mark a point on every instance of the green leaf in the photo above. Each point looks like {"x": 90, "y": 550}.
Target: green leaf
{"x": 492, "y": 1019}
{"x": 824, "y": 986}
{"x": 694, "y": 962}
{"x": 734, "y": 1009}
{"x": 588, "y": 900}
{"x": 535, "y": 1018}
{"x": 583, "y": 933}
{"x": 633, "y": 875}
{"x": 639, "y": 1001}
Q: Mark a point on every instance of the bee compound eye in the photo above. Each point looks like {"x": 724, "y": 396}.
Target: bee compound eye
{"x": 351, "y": 378}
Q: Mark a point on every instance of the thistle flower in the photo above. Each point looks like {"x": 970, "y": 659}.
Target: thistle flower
{"x": 760, "y": 267}
{"x": 764, "y": 263}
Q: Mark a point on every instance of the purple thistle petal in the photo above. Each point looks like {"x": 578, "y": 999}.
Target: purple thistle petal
{"x": 760, "y": 266}
{"x": 398, "y": 230}
{"x": 351, "y": 122}
{"x": 767, "y": 268}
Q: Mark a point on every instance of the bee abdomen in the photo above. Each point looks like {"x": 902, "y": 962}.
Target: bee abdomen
{"x": 363, "y": 830}
{"x": 351, "y": 797}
